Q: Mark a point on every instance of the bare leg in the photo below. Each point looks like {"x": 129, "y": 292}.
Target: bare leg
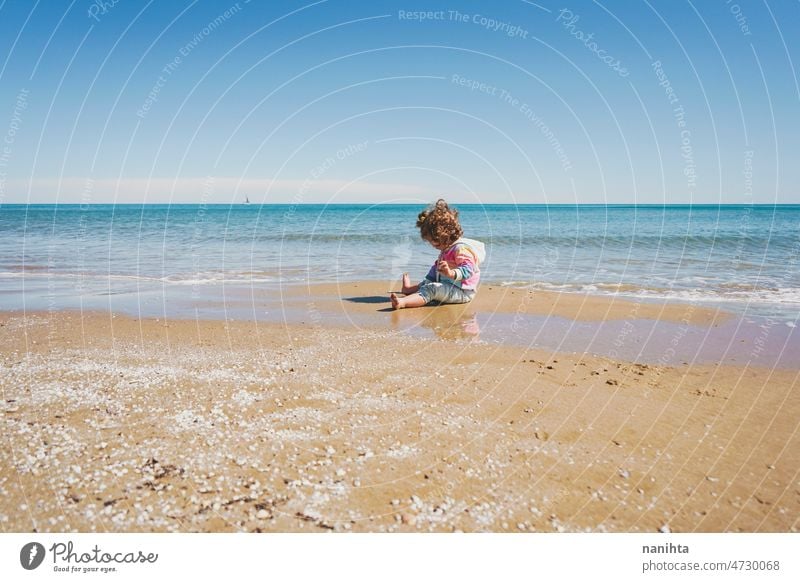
{"x": 413, "y": 300}
{"x": 407, "y": 287}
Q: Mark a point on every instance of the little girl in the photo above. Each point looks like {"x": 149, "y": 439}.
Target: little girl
{"x": 454, "y": 276}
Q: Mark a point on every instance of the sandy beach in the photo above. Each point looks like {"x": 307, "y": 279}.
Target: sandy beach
{"x": 336, "y": 414}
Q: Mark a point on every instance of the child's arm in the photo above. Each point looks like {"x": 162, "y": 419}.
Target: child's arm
{"x": 465, "y": 264}
{"x": 445, "y": 269}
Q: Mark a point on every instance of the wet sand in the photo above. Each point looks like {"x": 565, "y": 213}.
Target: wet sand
{"x": 512, "y": 300}
{"x": 358, "y": 302}
{"x": 342, "y": 418}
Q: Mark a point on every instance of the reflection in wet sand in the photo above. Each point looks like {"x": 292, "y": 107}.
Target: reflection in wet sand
{"x": 449, "y": 322}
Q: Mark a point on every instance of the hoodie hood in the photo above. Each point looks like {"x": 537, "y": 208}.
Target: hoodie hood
{"x": 476, "y": 246}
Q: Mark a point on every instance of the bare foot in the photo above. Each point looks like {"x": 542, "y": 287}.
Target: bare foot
{"x": 396, "y": 302}
{"x": 406, "y": 285}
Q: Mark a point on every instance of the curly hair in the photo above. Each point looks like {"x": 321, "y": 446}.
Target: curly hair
{"x": 439, "y": 224}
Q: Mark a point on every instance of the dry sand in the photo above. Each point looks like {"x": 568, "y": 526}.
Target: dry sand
{"x": 118, "y": 424}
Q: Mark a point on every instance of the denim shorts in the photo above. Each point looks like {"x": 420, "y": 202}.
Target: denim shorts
{"x": 444, "y": 292}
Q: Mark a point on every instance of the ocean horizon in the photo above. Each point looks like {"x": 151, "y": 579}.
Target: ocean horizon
{"x": 408, "y": 204}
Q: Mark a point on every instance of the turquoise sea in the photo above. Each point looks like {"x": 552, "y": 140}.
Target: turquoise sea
{"x": 67, "y": 256}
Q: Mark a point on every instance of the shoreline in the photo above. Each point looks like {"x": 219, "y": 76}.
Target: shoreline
{"x": 94, "y": 286}
{"x": 122, "y": 424}
{"x": 639, "y": 331}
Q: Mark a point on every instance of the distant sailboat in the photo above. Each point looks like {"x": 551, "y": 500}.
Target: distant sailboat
{"x": 246, "y": 200}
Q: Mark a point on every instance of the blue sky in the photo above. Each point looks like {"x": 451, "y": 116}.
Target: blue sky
{"x": 335, "y": 101}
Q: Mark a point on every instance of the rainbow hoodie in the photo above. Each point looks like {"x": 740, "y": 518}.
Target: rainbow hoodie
{"x": 467, "y": 255}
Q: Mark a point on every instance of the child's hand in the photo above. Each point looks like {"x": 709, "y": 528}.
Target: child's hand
{"x": 444, "y": 268}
